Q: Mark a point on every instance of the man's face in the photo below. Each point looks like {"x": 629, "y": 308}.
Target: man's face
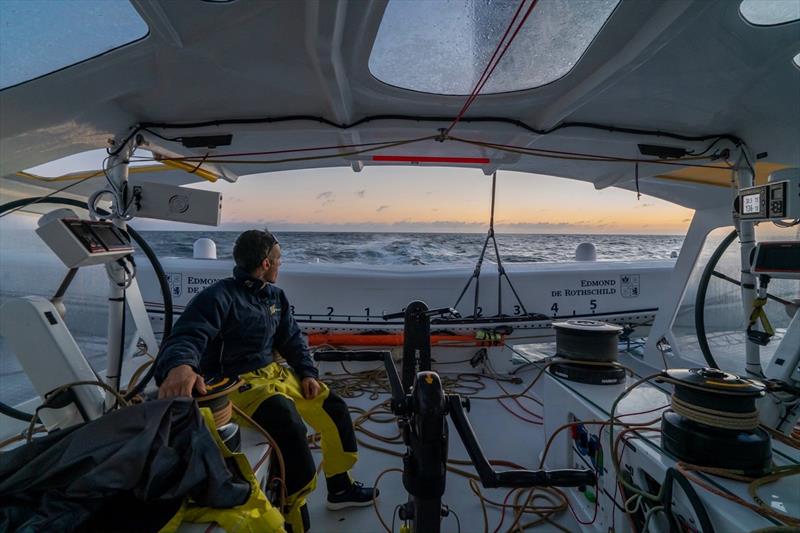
{"x": 272, "y": 264}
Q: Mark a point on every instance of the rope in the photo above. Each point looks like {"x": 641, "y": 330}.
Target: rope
{"x": 223, "y": 415}
{"x": 714, "y": 417}
{"x": 523, "y": 502}
{"x": 277, "y": 451}
{"x": 492, "y": 64}
{"x": 760, "y": 506}
{"x": 55, "y": 392}
{"x": 577, "y": 156}
{"x": 375, "y": 501}
{"x": 220, "y": 159}
{"x": 139, "y": 371}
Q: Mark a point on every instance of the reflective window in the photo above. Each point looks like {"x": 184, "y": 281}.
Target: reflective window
{"x": 443, "y": 47}
{"x": 770, "y": 12}
{"x": 39, "y": 37}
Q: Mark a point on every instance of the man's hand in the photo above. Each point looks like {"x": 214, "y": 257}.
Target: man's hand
{"x": 310, "y": 388}
{"x": 180, "y": 381}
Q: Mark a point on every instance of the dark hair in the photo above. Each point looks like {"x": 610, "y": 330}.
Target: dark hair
{"x": 252, "y": 247}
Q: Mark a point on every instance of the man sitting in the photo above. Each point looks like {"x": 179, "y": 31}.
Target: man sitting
{"x": 231, "y": 329}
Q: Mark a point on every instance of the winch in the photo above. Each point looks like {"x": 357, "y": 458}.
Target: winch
{"x": 714, "y": 421}
{"x": 588, "y": 352}
{"x": 216, "y": 399}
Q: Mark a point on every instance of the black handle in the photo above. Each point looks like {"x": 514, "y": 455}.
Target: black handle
{"x": 342, "y": 355}
{"x": 510, "y": 478}
{"x": 546, "y": 478}
{"x": 444, "y": 311}
{"x": 429, "y": 312}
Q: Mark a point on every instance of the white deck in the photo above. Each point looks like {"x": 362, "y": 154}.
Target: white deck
{"x": 501, "y": 435}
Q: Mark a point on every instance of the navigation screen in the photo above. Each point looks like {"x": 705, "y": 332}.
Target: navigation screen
{"x": 779, "y": 257}
{"x": 751, "y": 204}
{"x": 109, "y": 237}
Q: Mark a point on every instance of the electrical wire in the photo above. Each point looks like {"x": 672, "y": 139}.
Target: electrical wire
{"x": 608, "y": 128}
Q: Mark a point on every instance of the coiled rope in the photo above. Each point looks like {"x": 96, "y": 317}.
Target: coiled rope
{"x": 714, "y": 417}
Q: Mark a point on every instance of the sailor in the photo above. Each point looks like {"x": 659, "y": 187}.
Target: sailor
{"x": 231, "y": 329}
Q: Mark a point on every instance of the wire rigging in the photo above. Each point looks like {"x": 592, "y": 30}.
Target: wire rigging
{"x": 501, "y": 271}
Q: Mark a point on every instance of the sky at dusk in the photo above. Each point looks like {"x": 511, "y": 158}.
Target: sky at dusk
{"x": 423, "y": 199}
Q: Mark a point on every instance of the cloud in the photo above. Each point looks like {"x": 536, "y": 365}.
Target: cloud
{"x": 361, "y": 193}
{"x": 644, "y": 205}
{"x": 382, "y": 208}
{"x": 686, "y": 220}
{"x": 327, "y": 197}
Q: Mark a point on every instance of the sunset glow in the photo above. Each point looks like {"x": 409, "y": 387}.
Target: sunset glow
{"x": 440, "y": 199}
{"x": 411, "y": 198}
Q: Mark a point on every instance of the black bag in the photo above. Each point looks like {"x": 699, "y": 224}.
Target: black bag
{"x": 127, "y": 471}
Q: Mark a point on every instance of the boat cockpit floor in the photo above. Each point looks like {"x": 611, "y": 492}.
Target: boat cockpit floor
{"x": 501, "y": 434}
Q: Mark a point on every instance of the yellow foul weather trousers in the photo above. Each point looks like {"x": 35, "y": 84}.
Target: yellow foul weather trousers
{"x": 273, "y": 397}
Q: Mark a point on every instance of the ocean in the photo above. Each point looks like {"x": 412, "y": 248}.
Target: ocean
{"x": 426, "y": 248}
{"x": 28, "y": 267}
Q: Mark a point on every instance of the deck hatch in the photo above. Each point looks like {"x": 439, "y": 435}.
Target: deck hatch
{"x": 38, "y": 38}
{"x": 443, "y": 47}
{"x": 770, "y": 12}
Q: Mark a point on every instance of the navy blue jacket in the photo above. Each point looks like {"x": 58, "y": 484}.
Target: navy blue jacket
{"x": 232, "y": 327}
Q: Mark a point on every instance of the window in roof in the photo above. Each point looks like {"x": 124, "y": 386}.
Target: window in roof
{"x": 443, "y": 47}
{"x": 37, "y": 38}
{"x": 770, "y": 12}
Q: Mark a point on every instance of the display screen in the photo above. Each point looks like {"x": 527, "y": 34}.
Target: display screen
{"x": 779, "y": 258}
{"x": 98, "y": 237}
{"x": 110, "y": 238}
{"x": 751, "y": 204}
{"x": 85, "y": 236}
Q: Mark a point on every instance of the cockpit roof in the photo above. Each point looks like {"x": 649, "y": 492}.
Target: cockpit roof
{"x": 282, "y": 77}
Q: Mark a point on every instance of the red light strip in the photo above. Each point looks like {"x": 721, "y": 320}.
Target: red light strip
{"x": 427, "y": 159}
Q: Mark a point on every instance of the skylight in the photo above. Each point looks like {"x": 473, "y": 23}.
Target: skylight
{"x": 797, "y": 60}
{"x": 442, "y": 47}
{"x": 37, "y": 38}
{"x": 770, "y": 12}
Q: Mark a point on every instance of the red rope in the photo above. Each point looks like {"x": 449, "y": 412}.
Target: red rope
{"x": 493, "y": 62}
{"x": 474, "y": 91}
